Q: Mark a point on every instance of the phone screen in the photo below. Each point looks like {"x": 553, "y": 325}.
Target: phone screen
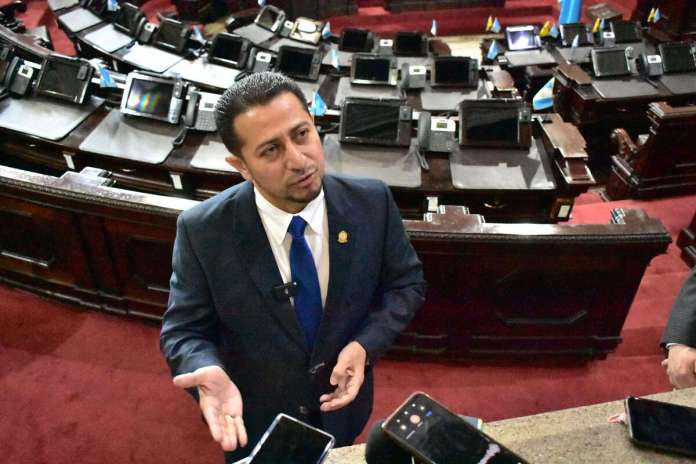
{"x": 662, "y": 425}
{"x": 442, "y": 437}
{"x": 289, "y": 441}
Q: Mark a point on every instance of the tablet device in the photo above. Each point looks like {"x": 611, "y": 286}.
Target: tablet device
{"x": 522, "y": 38}
{"x": 171, "y": 35}
{"x": 128, "y": 19}
{"x": 299, "y": 63}
{"x": 153, "y": 97}
{"x": 290, "y": 441}
{"x": 375, "y": 122}
{"x": 270, "y": 18}
{"x": 64, "y": 78}
{"x": 624, "y": 31}
{"x": 572, "y": 30}
{"x": 410, "y": 44}
{"x": 493, "y": 123}
{"x": 661, "y": 425}
{"x": 229, "y": 50}
{"x": 355, "y": 40}
{"x": 454, "y": 71}
{"x": 677, "y": 57}
{"x": 435, "y": 435}
{"x": 370, "y": 68}
{"x": 306, "y": 30}
{"x": 609, "y": 62}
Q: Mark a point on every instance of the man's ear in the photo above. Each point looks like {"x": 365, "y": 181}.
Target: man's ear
{"x": 239, "y": 164}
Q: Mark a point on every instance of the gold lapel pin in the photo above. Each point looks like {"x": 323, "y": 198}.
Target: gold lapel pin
{"x": 343, "y": 237}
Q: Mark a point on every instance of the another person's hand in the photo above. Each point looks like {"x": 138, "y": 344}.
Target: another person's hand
{"x": 348, "y": 376}
{"x": 221, "y": 404}
{"x": 681, "y": 366}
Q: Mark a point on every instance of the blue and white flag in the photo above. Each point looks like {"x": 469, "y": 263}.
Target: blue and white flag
{"x": 111, "y": 5}
{"x": 602, "y": 25}
{"x": 105, "y": 79}
{"x": 553, "y": 32}
{"x": 197, "y": 33}
{"x": 334, "y": 58}
{"x": 318, "y": 107}
{"x": 493, "y": 50}
{"x": 433, "y": 28}
{"x": 544, "y": 97}
{"x": 496, "y": 26}
{"x": 658, "y": 15}
{"x": 326, "y": 31}
{"x": 262, "y": 3}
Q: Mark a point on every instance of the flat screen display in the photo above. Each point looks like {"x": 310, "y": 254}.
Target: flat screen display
{"x": 295, "y": 62}
{"x": 150, "y": 98}
{"x": 63, "y": 78}
{"x": 170, "y": 34}
{"x": 677, "y": 57}
{"x": 452, "y": 71}
{"x": 227, "y": 49}
{"x": 409, "y": 44}
{"x": 572, "y": 30}
{"x": 610, "y": 62}
{"x": 128, "y": 18}
{"x": 354, "y": 40}
{"x": 267, "y": 18}
{"x": 372, "y": 69}
{"x": 624, "y": 31}
{"x": 370, "y": 122}
{"x": 291, "y": 442}
{"x": 522, "y": 38}
{"x": 489, "y": 122}
{"x": 662, "y": 425}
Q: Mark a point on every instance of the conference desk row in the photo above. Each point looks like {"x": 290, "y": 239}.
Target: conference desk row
{"x": 492, "y": 287}
{"x": 577, "y": 435}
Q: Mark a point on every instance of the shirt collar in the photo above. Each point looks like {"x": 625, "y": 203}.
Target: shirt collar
{"x": 277, "y": 221}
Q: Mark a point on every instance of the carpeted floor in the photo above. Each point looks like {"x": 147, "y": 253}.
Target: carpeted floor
{"x": 82, "y": 386}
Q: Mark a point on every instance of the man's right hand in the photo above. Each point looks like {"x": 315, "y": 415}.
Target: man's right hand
{"x": 221, "y": 404}
{"x": 681, "y": 366}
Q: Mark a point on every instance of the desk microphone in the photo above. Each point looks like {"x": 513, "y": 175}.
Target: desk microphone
{"x": 380, "y": 449}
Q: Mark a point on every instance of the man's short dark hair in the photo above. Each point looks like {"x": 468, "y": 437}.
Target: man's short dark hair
{"x": 254, "y": 90}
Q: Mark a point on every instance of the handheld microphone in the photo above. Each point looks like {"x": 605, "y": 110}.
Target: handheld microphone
{"x": 380, "y": 449}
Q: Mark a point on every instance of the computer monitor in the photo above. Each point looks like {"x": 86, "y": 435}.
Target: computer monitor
{"x": 128, "y": 19}
{"x": 98, "y": 7}
{"x": 522, "y": 38}
{"x": 609, "y": 62}
{"x": 624, "y": 31}
{"x": 572, "y": 30}
{"x": 172, "y": 35}
{"x": 410, "y": 44}
{"x": 64, "y": 78}
{"x": 454, "y": 71}
{"x": 355, "y": 40}
{"x": 370, "y": 68}
{"x": 229, "y": 50}
{"x": 375, "y": 122}
{"x": 270, "y": 18}
{"x": 299, "y": 63}
{"x": 152, "y": 97}
{"x": 306, "y": 30}
{"x": 492, "y": 122}
{"x": 677, "y": 57}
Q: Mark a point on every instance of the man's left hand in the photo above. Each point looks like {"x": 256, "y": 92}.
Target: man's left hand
{"x": 348, "y": 376}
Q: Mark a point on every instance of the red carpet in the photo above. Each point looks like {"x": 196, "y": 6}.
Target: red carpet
{"x": 82, "y": 386}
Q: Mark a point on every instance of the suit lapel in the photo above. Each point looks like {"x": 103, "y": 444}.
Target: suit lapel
{"x": 252, "y": 245}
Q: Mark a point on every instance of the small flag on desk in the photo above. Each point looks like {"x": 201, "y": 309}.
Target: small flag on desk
{"x": 326, "y": 31}
{"x": 105, "y": 79}
{"x": 493, "y": 50}
{"x": 433, "y": 28}
{"x": 545, "y": 29}
{"x": 602, "y": 24}
{"x": 489, "y": 23}
{"x": 198, "y": 34}
{"x": 262, "y": 3}
{"x": 111, "y": 5}
{"x": 576, "y": 42}
{"x": 595, "y": 26}
{"x": 651, "y": 15}
{"x": 318, "y": 107}
{"x": 658, "y": 15}
{"x": 334, "y": 58}
{"x": 544, "y": 97}
{"x": 554, "y": 31}
{"x": 496, "y": 26}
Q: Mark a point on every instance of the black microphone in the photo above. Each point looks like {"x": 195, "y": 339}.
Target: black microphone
{"x": 380, "y": 449}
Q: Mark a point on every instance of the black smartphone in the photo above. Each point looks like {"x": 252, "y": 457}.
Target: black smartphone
{"x": 290, "y": 441}
{"x": 435, "y": 435}
{"x": 661, "y": 425}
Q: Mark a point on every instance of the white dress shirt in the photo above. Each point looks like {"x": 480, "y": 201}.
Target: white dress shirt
{"x": 276, "y": 222}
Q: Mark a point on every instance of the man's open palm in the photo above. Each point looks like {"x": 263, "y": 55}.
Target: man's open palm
{"x": 221, "y": 404}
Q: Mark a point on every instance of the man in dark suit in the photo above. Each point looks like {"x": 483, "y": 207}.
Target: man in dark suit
{"x": 680, "y": 337}
{"x": 288, "y": 287}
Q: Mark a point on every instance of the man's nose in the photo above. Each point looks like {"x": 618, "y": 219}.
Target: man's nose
{"x": 295, "y": 158}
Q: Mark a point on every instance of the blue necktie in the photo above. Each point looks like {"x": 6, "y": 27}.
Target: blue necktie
{"x": 304, "y": 272}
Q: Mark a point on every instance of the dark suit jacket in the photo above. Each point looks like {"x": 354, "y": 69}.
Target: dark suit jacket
{"x": 222, "y": 310}
{"x": 681, "y": 325}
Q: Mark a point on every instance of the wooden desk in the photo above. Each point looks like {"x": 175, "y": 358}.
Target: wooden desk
{"x": 577, "y": 435}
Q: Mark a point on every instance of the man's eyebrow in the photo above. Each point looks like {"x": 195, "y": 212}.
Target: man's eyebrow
{"x": 293, "y": 129}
